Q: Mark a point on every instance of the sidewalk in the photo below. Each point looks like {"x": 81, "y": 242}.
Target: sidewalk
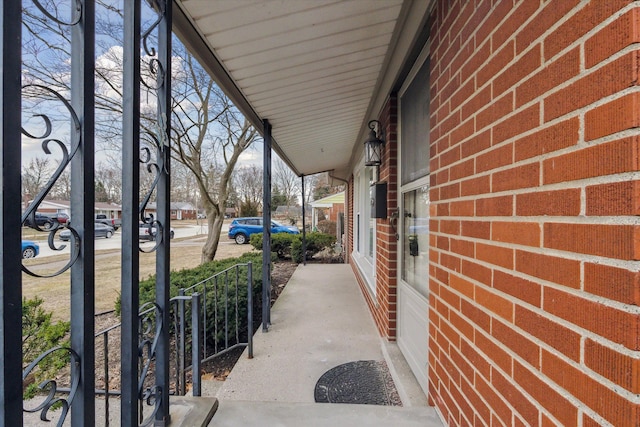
{"x": 320, "y": 321}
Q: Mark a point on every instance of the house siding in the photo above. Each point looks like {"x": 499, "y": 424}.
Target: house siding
{"x": 534, "y": 177}
{"x": 535, "y": 240}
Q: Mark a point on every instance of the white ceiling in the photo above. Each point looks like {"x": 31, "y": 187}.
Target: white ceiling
{"x": 311, "y": 67}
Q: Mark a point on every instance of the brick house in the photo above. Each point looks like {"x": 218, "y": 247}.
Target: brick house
{"x": 498, "y": 241}
{"x": 505, "y": 264}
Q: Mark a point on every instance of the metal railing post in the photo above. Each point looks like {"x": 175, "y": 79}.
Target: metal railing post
{"x": 250, "y": 309}
{"x": 196, "y": 371}
{"x": 182, "y": 377}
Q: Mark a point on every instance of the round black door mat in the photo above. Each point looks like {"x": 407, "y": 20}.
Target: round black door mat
{"x": 365, "y": 382}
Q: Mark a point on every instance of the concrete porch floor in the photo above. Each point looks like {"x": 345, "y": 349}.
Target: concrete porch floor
{"x": 320, "y": 321}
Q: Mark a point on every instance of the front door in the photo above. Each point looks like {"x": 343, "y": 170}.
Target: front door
{"x": 413, "y": 286}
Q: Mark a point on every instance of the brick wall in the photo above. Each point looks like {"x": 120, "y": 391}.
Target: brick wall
{"x": 383, "y": 305}
{"x": 535, "y": 189}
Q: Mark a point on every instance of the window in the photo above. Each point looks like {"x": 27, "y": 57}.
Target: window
{"x": 414, "y": 122}
{"x": 415, "y": 241}
{"x": 364, "y": 224}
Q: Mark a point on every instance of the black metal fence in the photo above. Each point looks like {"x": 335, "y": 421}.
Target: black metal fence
{"x": 207, "y": 312}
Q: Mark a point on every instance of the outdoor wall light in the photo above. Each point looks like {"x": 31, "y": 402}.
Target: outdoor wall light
{"x": 373, "y": 146}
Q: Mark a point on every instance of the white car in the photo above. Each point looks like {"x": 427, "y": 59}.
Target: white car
{"x": 147, "y": 232}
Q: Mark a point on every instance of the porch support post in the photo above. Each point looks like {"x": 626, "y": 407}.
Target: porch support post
{"x": 304, "y": 228}
{"x": 10, "y": 259}
{"x": 266, "y": 222}
{"x": 82, "y": 207}
{"x": 164, "y": 217}
{"x": 130, "y": 193}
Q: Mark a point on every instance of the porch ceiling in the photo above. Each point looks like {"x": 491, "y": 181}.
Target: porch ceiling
{"x": 313, "y": 68}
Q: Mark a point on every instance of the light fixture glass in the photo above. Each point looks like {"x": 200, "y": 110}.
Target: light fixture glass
{"x": 373, "y": 146}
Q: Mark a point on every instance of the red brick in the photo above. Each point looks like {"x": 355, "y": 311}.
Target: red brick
{"x": 521, "y": 233}
{"x": 478, "y": 143}
{"x": 476, "y": 229}
{"x": 495, "y": 111}
{"x": 517, "y": 124}
{"x": 599, "y": 397}
{"x": 563, "y": 271}
{"x": 517, "y": 177}
{"x": 619, "y": 34}
{"x": 514, "y": 22}
{"x": 476, "y": 272}
{"x": 495, "y": 206}
{"x": 514, "y": 73}
{"x": 604, "y": 159}
{"x": 617, "y": 367}
{"x": 551, "y": 13}
{"x": 450, "y": 156}
{"x": 495, "y": 158}
{"x": 462, "y": 208}
{"x": 474, "y": 186}
{"x": 463, "y": 247}
{"x": 462, "y": 132}
{"x": 610, "y": 323}
{"x": 551, "y": 400}
{"x": 494, "y": 303}
{"x": 579, "y": 24}
{"x": 493, "y": 20}
{"x": 615, "y": 199}
{"x": 614, "y": 116}
{"x": 550, "y": 76}
{"x": 611, "y": 241}
{"x": 450, "y": 262}
{"x": 519, "y": 401}
{"x": 450, "y": 191}
{"x": 495, "y": 255}
{"x": 614, "y": 283}
{"x": 551, "y": 203}
{"x": 605, "y": 81}
{"x": 545, "y": 329}
{"x": 496, "y": 64}
{"x": 525, "y": 290}
{"x": 548, "y": 140}
{"x": 461, "y": 285}
{"x": 475, "y": 62}
{"x": 494, "y": 352}
{"x": 516, "y": 342}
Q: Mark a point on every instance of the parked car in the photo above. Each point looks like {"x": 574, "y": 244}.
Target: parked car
{"x": 148, "y": 232}
{"x": 241, "y": 229}
{"x": 112, "y": 222}
{"x": 30, "y": 249}
{"x": 61, "y": 217}
{"x": 101, "y": 230}
{"x": 41, "y": 220}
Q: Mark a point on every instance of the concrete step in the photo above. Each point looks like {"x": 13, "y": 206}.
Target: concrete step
{"x": 276, "y": 414}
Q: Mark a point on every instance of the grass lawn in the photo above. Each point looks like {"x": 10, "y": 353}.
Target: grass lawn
{"x": 56, "y": 291}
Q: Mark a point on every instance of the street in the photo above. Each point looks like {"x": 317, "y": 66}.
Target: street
{"x": 115, "y": 242}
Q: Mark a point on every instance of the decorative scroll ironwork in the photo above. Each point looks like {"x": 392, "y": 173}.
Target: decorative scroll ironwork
{"x": 29, "y": 216}
{"x": 76, "y": 8}
{"x": 149, "y": 332}
{"x": 53, "y": 397}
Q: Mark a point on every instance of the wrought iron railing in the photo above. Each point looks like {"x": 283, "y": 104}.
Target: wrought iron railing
{"x": 197, "y": 315}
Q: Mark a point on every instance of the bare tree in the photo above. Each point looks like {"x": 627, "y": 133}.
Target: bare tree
{"x": 208, "y": 132}
{"x": 286, "y": 181}
{"x": 248, "y": 185}
{"x": 35, "y": 176}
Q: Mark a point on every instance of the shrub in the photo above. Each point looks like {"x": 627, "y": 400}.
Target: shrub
{"x": 40, "y": 334}
{"x": 316, "y": 242}
{"x": 280, "y": 243}
{"x": 327, "y": 227}
{"x": 216, "y": 299}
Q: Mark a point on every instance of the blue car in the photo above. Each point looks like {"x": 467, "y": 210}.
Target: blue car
{"x": 30, "y": 249}
{"x": 241, "y": 229}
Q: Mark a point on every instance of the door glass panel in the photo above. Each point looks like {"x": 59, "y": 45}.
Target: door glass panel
{"x": 415, "y": 241}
